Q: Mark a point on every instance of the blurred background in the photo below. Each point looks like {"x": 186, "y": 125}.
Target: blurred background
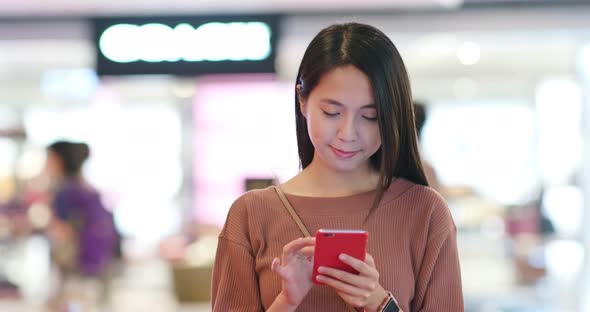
{"x": 186, "y": 105}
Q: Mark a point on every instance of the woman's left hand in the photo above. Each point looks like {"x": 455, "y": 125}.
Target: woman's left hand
{"x": 362, "y": 290}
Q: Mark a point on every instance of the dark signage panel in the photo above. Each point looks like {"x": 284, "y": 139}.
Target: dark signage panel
{"x": 185, "y": 45}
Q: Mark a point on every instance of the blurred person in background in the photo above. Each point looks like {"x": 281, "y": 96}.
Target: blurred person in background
{"x": 82, "y": 233}
{"x": 420, "y": 116}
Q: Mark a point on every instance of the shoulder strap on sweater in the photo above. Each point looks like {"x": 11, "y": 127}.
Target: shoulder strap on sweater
{"x": 292, "y": 212}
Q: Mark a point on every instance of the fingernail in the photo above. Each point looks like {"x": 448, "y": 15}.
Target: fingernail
{"x": 319, "y": 278}
{"x": 322, "y": 269}
{"x": 343, "y": 257}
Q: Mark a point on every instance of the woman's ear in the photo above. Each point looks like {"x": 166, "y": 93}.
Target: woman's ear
{"x": 301, "y": 101}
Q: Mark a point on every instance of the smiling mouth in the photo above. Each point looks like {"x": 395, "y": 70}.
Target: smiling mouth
{"x": 343, "y": 154}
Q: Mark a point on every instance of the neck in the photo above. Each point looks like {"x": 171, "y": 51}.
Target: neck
{"x": 66, "y": 178}
{"x": 323, "y": 181}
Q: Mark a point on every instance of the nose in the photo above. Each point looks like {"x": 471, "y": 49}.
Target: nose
{"x": 347, "y": 131}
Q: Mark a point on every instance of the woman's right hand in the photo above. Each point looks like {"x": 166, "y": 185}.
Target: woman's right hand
{"x": 295, "y": 268}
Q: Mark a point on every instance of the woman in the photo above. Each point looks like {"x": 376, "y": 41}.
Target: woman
{"x": 361, "y": 170}
{"x": 86, "y": 241}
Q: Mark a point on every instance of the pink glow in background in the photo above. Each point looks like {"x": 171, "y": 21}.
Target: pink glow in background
{"x": 242, "y": 128}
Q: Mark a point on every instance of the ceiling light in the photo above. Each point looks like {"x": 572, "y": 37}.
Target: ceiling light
{"x": 468, "y": 53}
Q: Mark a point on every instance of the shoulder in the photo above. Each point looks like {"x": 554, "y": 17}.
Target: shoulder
{"x": 428, "y": 205}
{"x": 248, "y": 209}
{"x": 426, "y": 196}
{"x": 67, "y": 193}
{"x": 76, "y": 188}
{"x": 417, "y": 193}
{"x": 252, "y": 200}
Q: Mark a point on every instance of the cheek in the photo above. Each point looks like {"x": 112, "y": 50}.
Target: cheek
{"x": 372, "y": 137}
{"x": 49, "y": 163}
{"x": 318, "y": 130}
{"x": 52, "y": 165}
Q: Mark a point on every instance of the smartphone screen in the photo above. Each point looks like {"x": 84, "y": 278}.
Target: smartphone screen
{"x": 330, "y": 244}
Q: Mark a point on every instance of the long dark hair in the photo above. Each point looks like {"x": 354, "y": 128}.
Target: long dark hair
{"x": 72, "y": 156}
{"x": 371, "y": 51}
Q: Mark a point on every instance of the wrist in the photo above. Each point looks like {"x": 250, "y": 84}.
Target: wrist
{"x": 378, "y": 302}
{"x": 282, "y": 303}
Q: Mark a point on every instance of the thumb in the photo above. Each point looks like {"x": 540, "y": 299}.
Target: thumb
{"x": 277, "y": 267}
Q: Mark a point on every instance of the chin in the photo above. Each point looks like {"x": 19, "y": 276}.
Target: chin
{"x": 331, "y": 162}
{"x": 345, "y": 170}
{"x": 345, "y": 166}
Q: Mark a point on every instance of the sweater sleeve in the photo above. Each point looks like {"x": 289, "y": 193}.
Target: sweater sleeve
{"x": 234, "y": 280}
{"x": 235, "y": 286}
{"x": 438, "y": 285}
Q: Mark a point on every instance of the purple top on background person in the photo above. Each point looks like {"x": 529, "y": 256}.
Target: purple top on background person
{"x": 81, "y": 207}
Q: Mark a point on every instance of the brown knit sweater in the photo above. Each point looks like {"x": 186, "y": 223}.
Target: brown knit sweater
{"x": 412, "y": 238}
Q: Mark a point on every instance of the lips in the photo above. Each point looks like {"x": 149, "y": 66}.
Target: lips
{"x": 343, "y": 154}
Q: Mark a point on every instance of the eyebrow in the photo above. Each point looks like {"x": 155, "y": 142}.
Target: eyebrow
{"x": 334, "y": 102}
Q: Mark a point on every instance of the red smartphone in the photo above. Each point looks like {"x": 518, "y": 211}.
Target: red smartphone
{"x": 329, "y": 244}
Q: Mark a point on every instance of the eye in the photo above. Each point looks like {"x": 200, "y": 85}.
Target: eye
{"x": 330, "y": 114}
{"x": 370, "y": 114}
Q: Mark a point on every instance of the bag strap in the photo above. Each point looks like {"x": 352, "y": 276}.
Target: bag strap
{"x": 301, "y": 225}
{"x": 292, "y": 212}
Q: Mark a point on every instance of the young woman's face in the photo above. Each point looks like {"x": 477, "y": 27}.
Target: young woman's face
{"x": 342, "y": 119}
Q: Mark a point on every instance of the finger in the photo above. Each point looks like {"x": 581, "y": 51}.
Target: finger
{"x": 297, "y": 244}
{"x": 355, "y": 280}
{"x": 276, "y": 266}
{"x": 357, "y": 264}
{"x": 370, "y": 261}
{"x": 344, "y": 287}
{"x": 308, "y": 251}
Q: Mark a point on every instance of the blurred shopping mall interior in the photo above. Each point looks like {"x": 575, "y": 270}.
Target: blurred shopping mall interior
{"x": 176, "y": 137}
